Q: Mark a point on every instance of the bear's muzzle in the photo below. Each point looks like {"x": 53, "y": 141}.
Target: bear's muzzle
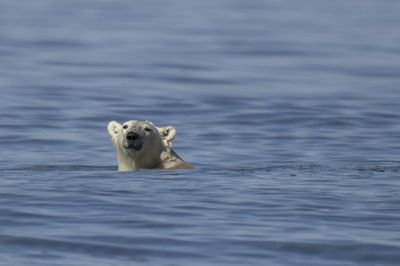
{"x": 133, "y": 141}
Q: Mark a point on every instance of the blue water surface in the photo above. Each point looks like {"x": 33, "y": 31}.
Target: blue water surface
{"x": 289, "y": 111}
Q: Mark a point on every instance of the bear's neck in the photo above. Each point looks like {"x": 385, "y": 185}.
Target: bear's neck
{"x": 130, "y": 162}
{"x": 169, "y": 159}
{"x": 165, "y": 158}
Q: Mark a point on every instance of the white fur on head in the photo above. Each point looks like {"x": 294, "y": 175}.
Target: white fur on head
{"x": 149, "y": 122}
{"x": 167, "y": 134}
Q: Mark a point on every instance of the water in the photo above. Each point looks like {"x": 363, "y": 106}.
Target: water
{"x": 289, "y": 111}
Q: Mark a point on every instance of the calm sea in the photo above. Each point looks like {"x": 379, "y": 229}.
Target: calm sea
{"x": 289, "y": 111}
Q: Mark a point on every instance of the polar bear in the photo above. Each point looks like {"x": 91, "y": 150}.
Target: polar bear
{"x": 142, "y": 145}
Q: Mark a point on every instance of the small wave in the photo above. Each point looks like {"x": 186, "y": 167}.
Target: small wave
{"x": 377, "y": 167}
{"x": 62, "y": 168}
{"x": 95, "y": 248}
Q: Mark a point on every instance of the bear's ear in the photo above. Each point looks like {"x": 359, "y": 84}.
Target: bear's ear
{"x": 167, "y": 133}
{"x": 113, "y": 128}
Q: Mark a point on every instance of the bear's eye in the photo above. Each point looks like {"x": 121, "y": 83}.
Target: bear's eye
{"x": 147, "y": 129}
{"x": 125, "y": 126}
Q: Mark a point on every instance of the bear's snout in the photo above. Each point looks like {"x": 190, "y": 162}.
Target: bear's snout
{"x": 133, "y": 141}
{"x": 132, "y": 136}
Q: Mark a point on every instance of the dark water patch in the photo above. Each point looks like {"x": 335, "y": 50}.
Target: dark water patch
{"x": 199, "y": 81}
{"x": 335, "y": 251}
{"x": 63, "y": 168}
{"x": 34, "y": 142}
{"x": 230, "y": 101}
{"x": 105, "y": 75}
{"x": 55, "y": 44}
{"x": 372, "y": 72}
{"x": 376, "y": 72}
{"x": 185, "y": 66}
{"x": 87, "y": 64}
{"x": 94, "y": 249}
{"x": 27, "y": 216}
{"x": 270, "y": 52}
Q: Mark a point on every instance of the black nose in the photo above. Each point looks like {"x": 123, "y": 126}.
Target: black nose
{"x": 131, "y": 136}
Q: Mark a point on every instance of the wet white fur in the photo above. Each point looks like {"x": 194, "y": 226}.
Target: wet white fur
{"x": 157, "y": 149}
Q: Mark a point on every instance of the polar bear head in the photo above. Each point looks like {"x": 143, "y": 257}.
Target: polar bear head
{"x": 140, "y": 144}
